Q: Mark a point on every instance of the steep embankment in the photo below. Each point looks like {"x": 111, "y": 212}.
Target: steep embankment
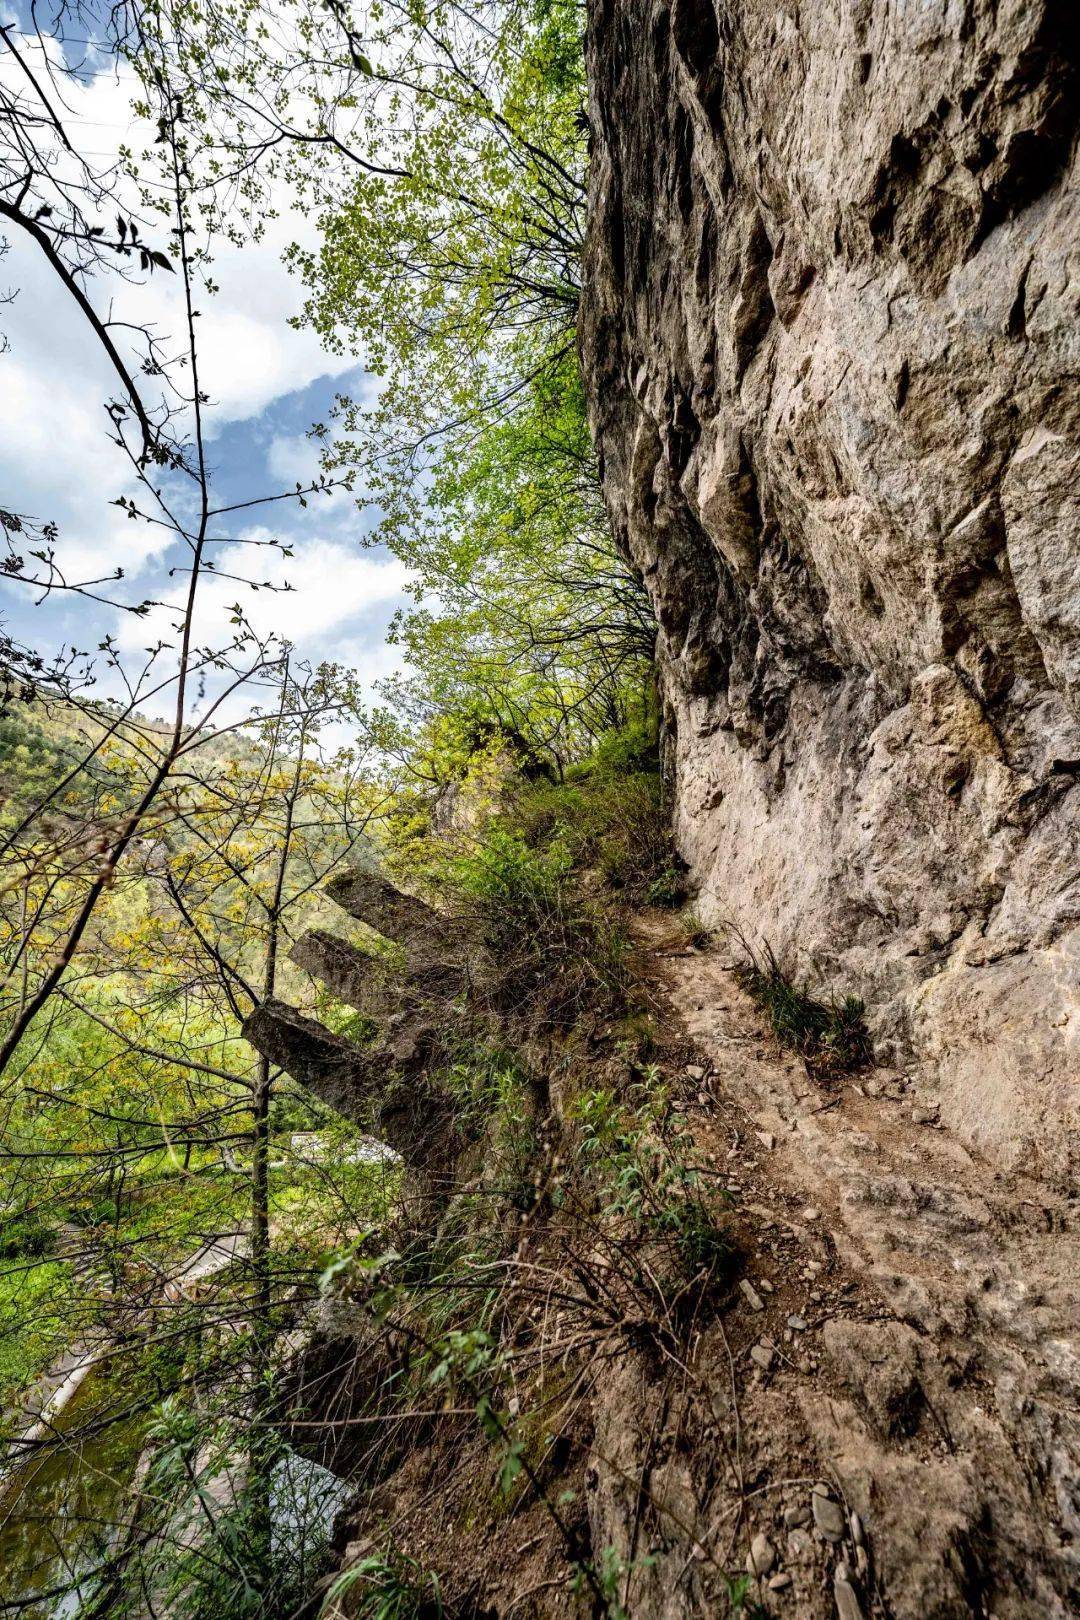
{"x": 829, "y": 332}
{"x": 865, "y": 1400}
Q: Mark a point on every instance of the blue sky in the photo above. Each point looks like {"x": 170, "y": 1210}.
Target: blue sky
{"x": 268, "y": 383}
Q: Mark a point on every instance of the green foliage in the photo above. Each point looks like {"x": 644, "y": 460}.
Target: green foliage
{"x": 552, "y": 952}
{"x": 613, "y": 816}
{"x": 694, "y": 930}
{"x": 388, "y": 1585}
{"x": 453, "y": 265}
{"x": 641, "y": 1155}
{"x": 491, "y": 1098}
{"x": 26, "y": 1237}
{"x": 35, "y": 1321}
{"x": 831, "y": 1036}
{"x": 608, "y": 1578}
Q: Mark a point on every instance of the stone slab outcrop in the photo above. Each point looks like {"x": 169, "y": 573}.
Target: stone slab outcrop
{"x": 382, "y": 1081}
{"x": 831, "y": 340}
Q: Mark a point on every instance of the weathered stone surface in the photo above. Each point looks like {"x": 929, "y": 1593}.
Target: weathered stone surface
{"x": 881, "y": 1365}
{"x": 374, "y": 900}
{"x": 828, "y": 1517}
{"x": 414, "y": 1003}
{"x": 830, "y": 332}
{"x": 354, "y": 976}
{"x": 361, "y": 1083}
{"x": 762, "y": 1555}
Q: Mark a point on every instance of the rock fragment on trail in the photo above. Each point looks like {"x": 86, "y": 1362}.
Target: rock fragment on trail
{"x": 828, "y": 1517}
{"x": 848, "y": 1606}
{"x": 761, "y": 1557}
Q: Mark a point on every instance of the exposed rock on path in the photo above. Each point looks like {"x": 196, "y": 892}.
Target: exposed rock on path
{"x": 936, "y": 1380}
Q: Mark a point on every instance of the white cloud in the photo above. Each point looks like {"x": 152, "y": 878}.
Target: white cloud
{"x": 57, "y": 464}
{"x": 335, "y": 586}
{"x": 293, "y": 458}
{"x": 55, "y": 459}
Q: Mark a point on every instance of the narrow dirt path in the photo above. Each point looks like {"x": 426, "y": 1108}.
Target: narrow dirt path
{"x": 908, "y": 1334}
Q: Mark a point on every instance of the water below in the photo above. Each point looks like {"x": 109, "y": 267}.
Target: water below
{"x": 61, "y": 1514}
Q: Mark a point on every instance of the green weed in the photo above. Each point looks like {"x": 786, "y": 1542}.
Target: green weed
{"x": 696, "y": 932}
{"x": 388, "y": 1585}
{"x": 553, "y": 954}
{"x": 642, "y": 1158}
{"x": 831, "y": 1036}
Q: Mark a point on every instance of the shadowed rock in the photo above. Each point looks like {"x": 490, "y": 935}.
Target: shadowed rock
{"x": 384, "y": 1090}
{"x": 832, "y": 379}
{"x": 334, "y": 1068}
{"x": 373, "y": 900}
{"x": 355, "y": 977}
{"x": 383, "y": 1085}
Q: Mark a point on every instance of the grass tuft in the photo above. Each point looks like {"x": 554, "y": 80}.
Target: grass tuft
{"x": 831, "y": 1036}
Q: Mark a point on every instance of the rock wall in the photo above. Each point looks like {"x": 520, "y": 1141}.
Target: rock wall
{"x": 830, "y": 332}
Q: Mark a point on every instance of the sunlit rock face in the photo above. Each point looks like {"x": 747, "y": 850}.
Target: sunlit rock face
{"x": 831, "y": 337}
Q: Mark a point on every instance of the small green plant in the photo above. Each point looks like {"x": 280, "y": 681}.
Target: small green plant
{"x": 695, "y": 931}
{"x": 388, "y": 1585}
{"x": 636, "y": 1037}
{"x": 609, "y": 1577}
{"x": 613, "y": 818}
{"x": 738, "y": 1595}
{"x": 642, "y": 1156}
{"x": 26, "y": 1237}
{"x": 667, "y": 888}
{"x": 831, "y": 1036}
{"x": 552, "y": 952}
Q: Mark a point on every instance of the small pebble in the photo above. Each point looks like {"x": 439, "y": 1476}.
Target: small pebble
{"x": 828, "y": 1516}
{"x": 856, "y": 1530}
{"x": 765, "y": 1285}
{"x": 778, "y": 1582}
{"x": 762, "y": 1555}
{"x": 810, "y": 1213}
{"x": 797, "y": 1324}
{"x": 761, "y": 1356}
{"x": 767, "y": 1140}
{"x": 848, "y": 1606}
{"x": 695, "y": 1071}
{"x": 750, "y": 1294}
{"x": 799, "y": 1546}
{"x": 796, "y": 1515}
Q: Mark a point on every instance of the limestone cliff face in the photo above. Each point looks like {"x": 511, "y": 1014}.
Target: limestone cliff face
{"x": 832, "y": 340}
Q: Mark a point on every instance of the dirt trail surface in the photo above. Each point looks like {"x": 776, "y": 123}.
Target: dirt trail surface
{"x": 869, "y": 1413}
{"x": 904, "y": 1336}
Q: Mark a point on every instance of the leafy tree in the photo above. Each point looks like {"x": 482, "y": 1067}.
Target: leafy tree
{"x": 452, "y": 264}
